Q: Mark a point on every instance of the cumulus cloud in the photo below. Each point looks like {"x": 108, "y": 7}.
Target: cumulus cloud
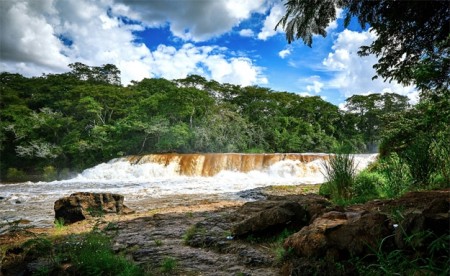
{"x": 209, "y": 61}
{"x": 27, "y": 35}
{"x": 192, "y": 20}
{"x": 353, "y": 74}
{"x": 313, "y": 84}
{"x": 268, "y": 29}
{"x": 44, "y": 36}
{"x": 237, "y": 70}
{"x": 246, "y": 32}
{"x": 284, "y": 53}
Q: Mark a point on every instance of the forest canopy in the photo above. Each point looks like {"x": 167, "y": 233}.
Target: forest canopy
{"x": 74, "y": 120}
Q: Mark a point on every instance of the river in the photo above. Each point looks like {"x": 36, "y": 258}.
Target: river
{"x": 147, "y": 183}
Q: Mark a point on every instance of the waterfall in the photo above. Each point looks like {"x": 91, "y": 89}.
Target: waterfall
{"x": 211, "y": 164}
{"x": 148, "y": 180}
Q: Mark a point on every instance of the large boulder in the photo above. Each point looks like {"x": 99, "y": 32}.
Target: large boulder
{"x": 279, "y": 216}
{"x": 277, "y": 213}
{"x": 83, "y": 205}
{"x": 340, "y": 234}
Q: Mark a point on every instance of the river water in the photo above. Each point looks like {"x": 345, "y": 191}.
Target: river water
{"x": 152, "y": 185}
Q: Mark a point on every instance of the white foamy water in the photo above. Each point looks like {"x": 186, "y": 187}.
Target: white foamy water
{"x": 141, "y": 183}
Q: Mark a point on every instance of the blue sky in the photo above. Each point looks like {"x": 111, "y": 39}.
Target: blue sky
{"x": 229, "y": 41}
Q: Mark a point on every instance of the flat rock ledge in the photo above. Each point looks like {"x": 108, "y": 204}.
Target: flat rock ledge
{"x": 237, "y": 239}
{"x": 83, "y": 205}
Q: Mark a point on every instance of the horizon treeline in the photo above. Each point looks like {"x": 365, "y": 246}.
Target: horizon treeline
{"x": 75, "y": 120}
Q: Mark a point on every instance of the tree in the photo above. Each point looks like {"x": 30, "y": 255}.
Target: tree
{"x": 412, "y": 43}
{"x": 107, "y": 73}
{"x": 369, "y": 111}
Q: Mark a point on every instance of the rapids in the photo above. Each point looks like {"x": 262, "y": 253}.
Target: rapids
{"x": 157, "y": 180}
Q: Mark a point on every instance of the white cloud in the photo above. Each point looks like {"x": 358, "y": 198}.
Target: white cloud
{"x": 236, "y": 70}
{"x": 284, "y": 53}
{"x": 316, "y": 87}
{"x": 353, "y": 74}
{"x": 30, "y": 44}
{"x": 192, "y": 20}
{"x": 27, "y": 35}
{"x": 312, "y": 84}
{"x": 268, "y": 29}
{"x": 246, "y": 33}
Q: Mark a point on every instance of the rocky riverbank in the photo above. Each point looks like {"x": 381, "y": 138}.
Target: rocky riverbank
{"x": 286, "y": 231}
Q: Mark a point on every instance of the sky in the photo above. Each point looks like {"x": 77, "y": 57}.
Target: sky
{"x": 229, "y": 41}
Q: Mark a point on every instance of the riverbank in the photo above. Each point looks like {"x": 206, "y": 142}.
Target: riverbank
{"x": 262, "y": 237}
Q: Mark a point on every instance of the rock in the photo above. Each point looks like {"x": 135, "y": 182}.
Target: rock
{"x": 253, "y": 194}
{"x": 80, "y": 206}
{"x": 419, "y": 227}
{"x": 279, "y": 216}
{"x": 277, "y": 213}
{"x": 336, "y": 234}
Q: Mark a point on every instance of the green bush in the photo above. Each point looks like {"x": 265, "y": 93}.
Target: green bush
{"x": 325, "y": 190}
{"x": 50, "y": 173}
{"x": 418, "y": 156}
{"x": 15, "y": 175}
{"x": 367, "y": 184}
{"x": 440, "y": 150}
{"x": 340, "y": 173}
{"x": 93, "y": 256}
{"x": 398, "y": 176}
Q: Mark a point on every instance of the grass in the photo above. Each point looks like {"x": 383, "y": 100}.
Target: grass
{"x": 96, "y": 212}
{"x": 59, "y": 224}
{"x": 191, "y": 232}
{"x": 340, "y": 171}
{"x": 86, "y": 254}
{"x": 111, "y": 226}
{"x": 274, "y": 243}
{"x": 434, "y": 259}
{"x": 168, "y": 265}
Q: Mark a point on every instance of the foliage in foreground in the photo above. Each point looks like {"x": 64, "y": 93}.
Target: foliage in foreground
{"x": 434, "y": 259}
{"x": 87, "y": 254}
{"x": 340, "y": 174}
{"x": 388, "y": 177}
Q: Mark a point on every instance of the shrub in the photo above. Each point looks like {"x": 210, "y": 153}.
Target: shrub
{"x": 325, "y": 190}
{"x": 367, "y": 184}
{"x": 340, "y": 172}
{"x": 418, "y": 156}
{"x": 440, "y": 150}
{"x": 49, "y": 173}
{"x": 15, "y": 175}
{"x": 398, "y": 176}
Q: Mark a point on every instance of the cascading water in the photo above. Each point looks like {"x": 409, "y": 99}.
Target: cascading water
{"x": 148, "y": 180}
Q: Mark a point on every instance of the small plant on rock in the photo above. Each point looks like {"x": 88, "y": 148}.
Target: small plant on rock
{"x": 59, "y": 224}
{"x": 168, "y": 264}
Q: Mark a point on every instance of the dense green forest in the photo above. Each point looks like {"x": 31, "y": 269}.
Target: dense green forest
{"x": 59, "y": 123}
